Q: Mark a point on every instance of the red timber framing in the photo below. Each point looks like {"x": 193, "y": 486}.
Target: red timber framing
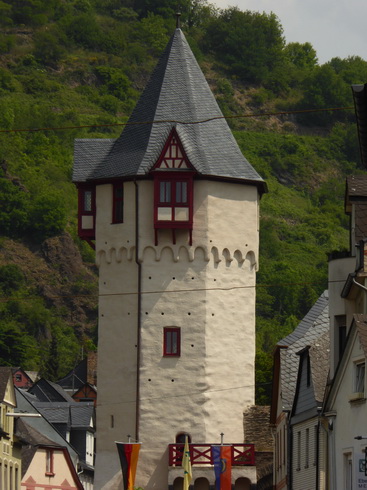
{"x": 173, "y": 189}
{"x": 86, "y": 212}
{"x": 201, "y": 454}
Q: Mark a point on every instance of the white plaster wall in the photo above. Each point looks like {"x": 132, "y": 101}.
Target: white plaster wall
{"x": 208, "y": 290}
{"x": 337, "y": 275}
{"x": 350, "y": 420}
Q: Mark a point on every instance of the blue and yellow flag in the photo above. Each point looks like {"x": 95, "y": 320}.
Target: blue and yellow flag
{"x": 186, "y": 464}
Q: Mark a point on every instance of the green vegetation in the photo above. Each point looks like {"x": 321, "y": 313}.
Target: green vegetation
{"x": 81, "y": 64}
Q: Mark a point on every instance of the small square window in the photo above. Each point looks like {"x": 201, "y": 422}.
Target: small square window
{"x": 171, "y": 341}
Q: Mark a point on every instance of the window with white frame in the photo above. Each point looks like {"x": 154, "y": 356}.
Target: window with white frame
{"x": 359, "y": 375}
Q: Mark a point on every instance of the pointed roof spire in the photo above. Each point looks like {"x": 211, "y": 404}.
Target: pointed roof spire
{"x": 177, "y": 95}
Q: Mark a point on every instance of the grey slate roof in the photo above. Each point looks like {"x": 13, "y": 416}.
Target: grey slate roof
{"x": 25, "y": 403}
{"x": 310, "y": 330}
{"x": 177, "y": 91}
{"x": 307, "y": 322}
{"x": 74, "y": 415}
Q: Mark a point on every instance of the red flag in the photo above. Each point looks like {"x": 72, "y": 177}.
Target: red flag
{"x": 222, "y": 460}
{"x": 226, "y": 473}
{"x": 129, "y": 454}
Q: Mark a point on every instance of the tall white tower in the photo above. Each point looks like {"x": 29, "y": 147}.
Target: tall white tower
{"x": 173, "y": 207}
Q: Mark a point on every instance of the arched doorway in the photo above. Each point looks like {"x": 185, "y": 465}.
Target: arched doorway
{"x": 180, "y": 439}
{"x": 201, "y": 484}
{"x": 242, "y": 484}
{"x": 178, "y": 483}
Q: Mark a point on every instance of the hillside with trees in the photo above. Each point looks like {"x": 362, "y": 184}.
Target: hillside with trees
{"x": 74, "y": 69}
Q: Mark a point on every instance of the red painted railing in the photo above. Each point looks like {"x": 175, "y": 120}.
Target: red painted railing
{"x": 242, "y": 454}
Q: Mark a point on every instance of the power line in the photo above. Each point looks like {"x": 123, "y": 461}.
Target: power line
{"x": 174, "y": 121}
{"x": 3, "y": 299}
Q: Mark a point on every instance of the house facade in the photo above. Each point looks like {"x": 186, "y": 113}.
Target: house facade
{"x": 10, "y": 448}
{"x": 297, "y": 399}
{"x": 172, "y": 209}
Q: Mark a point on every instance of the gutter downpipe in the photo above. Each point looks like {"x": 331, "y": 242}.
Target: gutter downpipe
{"x": 290, "y": 452}
{"x": 137, "y": 405}
{"x": 318, "y": 449}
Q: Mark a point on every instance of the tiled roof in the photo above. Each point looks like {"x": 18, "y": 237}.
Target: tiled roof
{"x": 309, "y": 332}
{"x": 307, "y": 321}
{"x": 357, "y": 186}
{"x": 176, "y": 95}
{"x": 76, "y": 414}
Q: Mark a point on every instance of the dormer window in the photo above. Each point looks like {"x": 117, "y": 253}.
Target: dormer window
{"x": 173, "y": 189}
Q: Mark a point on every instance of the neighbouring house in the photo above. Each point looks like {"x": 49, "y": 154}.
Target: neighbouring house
{"x": 172, "y": 209}
{"x": 346, "y": 410}
{"x": 288, "y": 377}
{"x": 342, "y": 403}
{"x": 21, "y": 378}
{"x": 308, "y": 458}
{"x": 45, "y": 464}
{"x": 74, "y": 421}
{"x": 81, "y": 382}
{"x": 10, "y": 447}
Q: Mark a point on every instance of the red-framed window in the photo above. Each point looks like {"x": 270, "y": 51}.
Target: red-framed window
{"x": 173, "y": 201}
{"x": 171, "y": 341}
{"x": 118, "y": 203}
{"x": 86, "y": 211}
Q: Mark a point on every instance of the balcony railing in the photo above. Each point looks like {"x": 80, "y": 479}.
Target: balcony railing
{"x": 201, "y": 454}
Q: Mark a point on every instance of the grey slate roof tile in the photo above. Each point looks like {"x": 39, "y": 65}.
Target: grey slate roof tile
{"x": 310, "y": 330}
{"x": 177, "y": 91}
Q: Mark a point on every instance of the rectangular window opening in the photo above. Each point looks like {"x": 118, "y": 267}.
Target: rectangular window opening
{"x": 118, "y": 203}
{"x": 359, "y": 377}
{"x": 171, "y": 341}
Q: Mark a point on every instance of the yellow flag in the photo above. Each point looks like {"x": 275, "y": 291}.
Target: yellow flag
{"x": 186, "y": 463}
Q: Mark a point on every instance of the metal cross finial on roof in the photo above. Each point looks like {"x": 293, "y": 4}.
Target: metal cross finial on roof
{"x": 178, "y": 15}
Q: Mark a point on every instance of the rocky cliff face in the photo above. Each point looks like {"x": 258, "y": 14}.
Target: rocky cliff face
{"x": 55, "y": 271}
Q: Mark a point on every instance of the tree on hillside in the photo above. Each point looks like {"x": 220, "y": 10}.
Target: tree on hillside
{"x": 250, "y": 43}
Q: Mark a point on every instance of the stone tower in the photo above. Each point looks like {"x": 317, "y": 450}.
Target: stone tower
{"x": 172, "y": 207}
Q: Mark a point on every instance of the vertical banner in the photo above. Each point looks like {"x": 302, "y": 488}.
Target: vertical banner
{"x": 186, "y": 463}
{"x": 129, "y": 454}
{"x": 222, "y": 460}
